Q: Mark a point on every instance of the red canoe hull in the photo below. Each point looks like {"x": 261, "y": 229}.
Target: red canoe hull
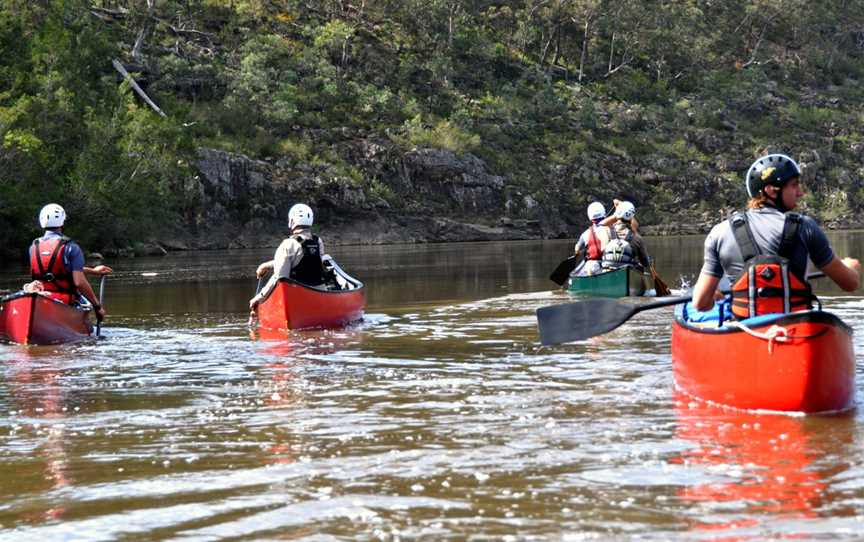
{"x": 29, "y": 318}
{"x": 295, "y": 306}
{"x": 812, "y": 372}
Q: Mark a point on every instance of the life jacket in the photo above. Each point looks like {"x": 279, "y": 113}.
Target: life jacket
{"x": 47, "y": 266}
{"x": 310, "y": 269}
{"x": 617, "y": 253}
{"x": 768, "y": 284}
{"x": 594, "y": 250}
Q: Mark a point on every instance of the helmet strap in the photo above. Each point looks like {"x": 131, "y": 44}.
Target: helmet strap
{"x": 777, "y": 200}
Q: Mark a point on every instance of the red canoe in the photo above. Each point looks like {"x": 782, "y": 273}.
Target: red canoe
{"x": 293, "y": 305}
{"x": 808, "y": 366}
{"x": 30, "y": 318}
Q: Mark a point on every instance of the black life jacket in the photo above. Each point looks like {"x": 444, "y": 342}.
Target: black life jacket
{"x": 310, "y": 269}
{"x": 48, "y": 267}
{"x": 768, "y": 284}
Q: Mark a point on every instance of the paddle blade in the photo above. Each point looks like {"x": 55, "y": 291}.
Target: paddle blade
{"x": 660, "y": 287}
{"x": 581, "y": 320}
{"x": 561, "y": 273}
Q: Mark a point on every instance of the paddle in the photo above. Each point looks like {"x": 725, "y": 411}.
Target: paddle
{"x": 253, "y": 313}
{"x": 569, "y": 322}
{"x": 561, "y": 273}
{"x": 581, "y": 320}
{"x": 659, "y": 286}
{"x": 101, "y": 297}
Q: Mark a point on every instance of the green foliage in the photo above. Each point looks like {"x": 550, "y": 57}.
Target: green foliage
{"x": 443, "y": 135}
{"x": 680, "y": 148}
{"x": 811, "y": 118}
{"x": 584, "y": 84}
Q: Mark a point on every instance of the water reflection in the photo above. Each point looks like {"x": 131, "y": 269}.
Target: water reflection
{"x": 38, "y": 401}
{"x": 758, "y": 468}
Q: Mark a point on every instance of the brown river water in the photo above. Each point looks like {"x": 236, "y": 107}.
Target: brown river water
{"x": 439, "y": 417}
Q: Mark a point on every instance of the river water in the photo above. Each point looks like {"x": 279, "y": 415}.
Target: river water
{"x": 439, "y": 417}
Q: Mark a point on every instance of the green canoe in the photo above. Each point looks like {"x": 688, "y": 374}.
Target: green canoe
{"x": 622, "y": 282}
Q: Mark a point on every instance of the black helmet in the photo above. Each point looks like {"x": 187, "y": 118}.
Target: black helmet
{"x": 773, "y": 169}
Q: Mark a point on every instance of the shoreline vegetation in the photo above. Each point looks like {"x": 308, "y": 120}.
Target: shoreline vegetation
{"x": 193, "y": 124}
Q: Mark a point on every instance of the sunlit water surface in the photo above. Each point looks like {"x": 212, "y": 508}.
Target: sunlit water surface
{"x": 439, "y": 417}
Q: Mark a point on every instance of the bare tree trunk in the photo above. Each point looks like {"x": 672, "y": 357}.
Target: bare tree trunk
{"x": 611, "y": 52}
{"x": 119, "y": 67}
{"x": 584, "y": 54}
{"x": 546, "y": 47}
{"x": 143, "y": 33}
{"x": 450, "y": 9}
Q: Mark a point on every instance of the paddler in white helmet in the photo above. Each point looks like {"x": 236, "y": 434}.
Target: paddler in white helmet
{"x": 592, "y": 241}
{"x": 298, "y": 257}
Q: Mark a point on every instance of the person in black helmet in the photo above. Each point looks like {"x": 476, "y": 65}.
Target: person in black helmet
{"x": 774, "y": 185}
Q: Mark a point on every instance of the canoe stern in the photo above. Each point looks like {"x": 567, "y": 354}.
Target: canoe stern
{"x": 812, "y": 370}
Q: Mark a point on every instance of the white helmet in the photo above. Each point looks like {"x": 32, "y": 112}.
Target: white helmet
{"x": 625, "y": 210}
{"x": 596, "y": 211}
{"x": 52, "y": 216}
{"x": 299, "y": 215}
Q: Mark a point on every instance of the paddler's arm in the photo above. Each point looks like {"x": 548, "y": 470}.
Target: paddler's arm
{"x": 264, "y": 268}
{"x": 281, "y": 267}
{"x": 846, "y": 273}
{"x": 704, "y": 292}
{"x": 86, "y": 290}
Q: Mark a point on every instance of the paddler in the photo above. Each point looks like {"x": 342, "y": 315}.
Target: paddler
{"x": 57, "y": 263}
{"x": 592, "y": 241}
{"x": 298, "y": 257}
{"x": 763, "y": 250}
{"x": 627, "y": 246}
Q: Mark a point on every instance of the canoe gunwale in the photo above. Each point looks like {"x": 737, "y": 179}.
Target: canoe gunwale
{"x": 812, "y": 316}
{"x": 358, "y": 286}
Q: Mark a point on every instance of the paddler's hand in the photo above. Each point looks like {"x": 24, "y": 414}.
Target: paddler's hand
{"x": 253, "y": 303}
{"x": 852, "y": 263}
{"x": 262, "y": 270}
{"x": 102, "y": 270}
{"x": 100, "y": 312}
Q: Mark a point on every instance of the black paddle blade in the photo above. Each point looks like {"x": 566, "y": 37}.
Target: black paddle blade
{"x": 581, "y": 320}
{"x": 562, "y": 272}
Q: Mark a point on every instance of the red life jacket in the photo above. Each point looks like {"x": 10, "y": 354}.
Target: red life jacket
{"x": 594, "y": 250}
{"x": 47, "y": 266}
{"x": 767, "y": 283}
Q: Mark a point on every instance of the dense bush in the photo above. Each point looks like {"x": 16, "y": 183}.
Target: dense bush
{"x": 529, "y": 87}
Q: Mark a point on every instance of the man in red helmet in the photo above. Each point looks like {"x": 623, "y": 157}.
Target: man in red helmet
{"x": 57, "y": 262}
{"x": 767, "y": 245}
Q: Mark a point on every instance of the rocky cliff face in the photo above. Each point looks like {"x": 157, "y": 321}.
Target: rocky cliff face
{"x": 370, "y": 190}
{"x": 422, "y": 195}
